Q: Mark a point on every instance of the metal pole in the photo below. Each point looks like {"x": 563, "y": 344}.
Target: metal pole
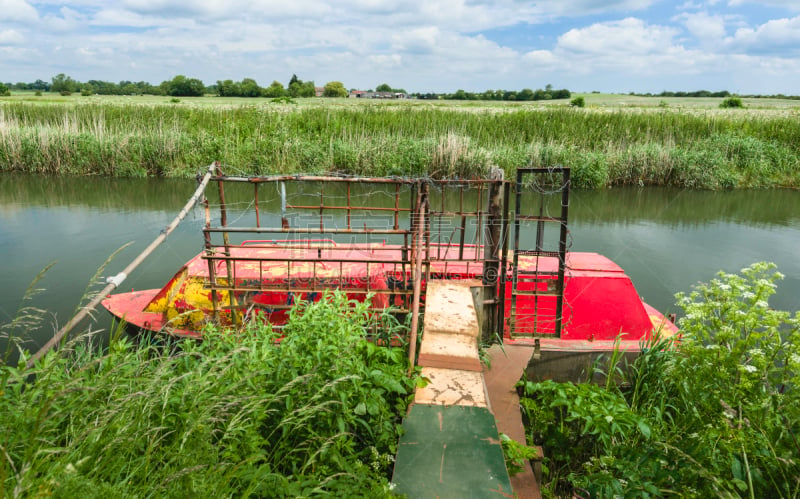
{"x": 418, "y": 235}
{"x": 114, "y": 282}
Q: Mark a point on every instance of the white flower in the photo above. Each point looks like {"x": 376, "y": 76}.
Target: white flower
{"x": 761, "y": 304}
{"x": 750, "y": 369}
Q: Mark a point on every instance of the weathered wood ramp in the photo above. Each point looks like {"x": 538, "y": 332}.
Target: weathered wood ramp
{"x": 451, "y": 447}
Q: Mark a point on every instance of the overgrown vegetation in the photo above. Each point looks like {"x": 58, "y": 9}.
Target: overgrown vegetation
{"x": 731, "y": 102}
{"x": 234, "y": 415}
{"x": 663, "y": 147}
{"x": 716, "y": 414}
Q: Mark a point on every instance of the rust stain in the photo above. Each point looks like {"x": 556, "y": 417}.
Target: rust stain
{"x": 500, "y": 491}
{"x": 441, "y": 467}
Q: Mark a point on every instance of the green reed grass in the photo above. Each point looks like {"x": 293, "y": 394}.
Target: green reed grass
{"x": 680, "y": 147}
{"x": 234, "y": 415}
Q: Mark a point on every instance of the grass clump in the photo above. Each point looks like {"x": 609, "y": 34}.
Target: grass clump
{"x": 716, "y": 416}
{"x": 233, "y": 415}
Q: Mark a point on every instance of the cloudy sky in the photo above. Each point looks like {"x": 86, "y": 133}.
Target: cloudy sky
{"x": 743, "y": 46}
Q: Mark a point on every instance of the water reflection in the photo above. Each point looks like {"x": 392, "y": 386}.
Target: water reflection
{"x": 665, "y": 239}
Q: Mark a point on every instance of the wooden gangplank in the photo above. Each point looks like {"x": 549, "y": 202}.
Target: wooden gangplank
{"x": 451, "y": 447}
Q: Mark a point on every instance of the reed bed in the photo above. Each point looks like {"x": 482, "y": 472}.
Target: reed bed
{"x": 235, "y": 415}
{"x": 604, "y": 147}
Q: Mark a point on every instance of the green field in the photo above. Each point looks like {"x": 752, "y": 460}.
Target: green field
{"x": 614, "y": 140}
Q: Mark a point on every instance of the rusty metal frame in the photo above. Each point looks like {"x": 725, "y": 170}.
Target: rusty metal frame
{"x": 441, "y": 254}
{"x": 553, "y": 283}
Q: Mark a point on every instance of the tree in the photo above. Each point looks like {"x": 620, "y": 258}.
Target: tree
{"x": 40, "y": 85}
{"x": 63, "y": 83}
{"x": 250, "y": 88}
{"x": 228, "y": 88}
{"x": 4, "y": 90}
{"x": 181, "y": 86}
{"x": 526, "y": 94}
{"x": 334, "y": 89}
{"x": 274, "y": 90}
{"x": 383, "y": 87}
{"x": 294, "y": 79}
{"x": 307, "y": 89}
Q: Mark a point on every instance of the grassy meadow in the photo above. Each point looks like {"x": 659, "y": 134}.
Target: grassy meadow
{"x": 614, "y": 140}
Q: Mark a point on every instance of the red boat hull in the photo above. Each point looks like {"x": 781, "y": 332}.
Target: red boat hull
{"x": 601, "y": 303}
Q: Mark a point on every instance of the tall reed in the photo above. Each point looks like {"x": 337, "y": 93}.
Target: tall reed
{"x": 687, "y": 148}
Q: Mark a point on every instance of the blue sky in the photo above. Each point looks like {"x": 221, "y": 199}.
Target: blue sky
{"x": 421, "y": 45}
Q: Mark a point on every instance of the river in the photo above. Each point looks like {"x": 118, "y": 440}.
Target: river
{"x": 665, "y": 239}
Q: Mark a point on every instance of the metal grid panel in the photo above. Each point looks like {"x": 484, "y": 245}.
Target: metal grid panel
{"x": 537, "y": 280}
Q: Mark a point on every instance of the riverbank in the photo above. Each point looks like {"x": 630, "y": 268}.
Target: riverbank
{"x": 702, "y": 148}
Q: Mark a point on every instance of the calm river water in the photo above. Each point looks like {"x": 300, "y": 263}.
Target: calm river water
{"x": 665, "y": 239}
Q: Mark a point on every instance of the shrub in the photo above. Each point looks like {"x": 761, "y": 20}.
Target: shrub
{"x": 86, "y": 92}
{"x": 731, "y": 102}
{"x": 284, "y": 99}
{"x": 716, "y": 417}
{"x": 65, "y": 93}
{"x": 578, "y": 102}
{"x": 4, "y": 91}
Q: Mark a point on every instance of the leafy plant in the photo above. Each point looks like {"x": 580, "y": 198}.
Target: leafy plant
{"x": 516, "y": 454}
{"x": 718, "y": 414}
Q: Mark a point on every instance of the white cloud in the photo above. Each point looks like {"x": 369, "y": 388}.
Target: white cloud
{"x": 17, "y": 11}
{"x": 69, "y": 20}
{"x": 420, "y": 40}
{"x": 708, "y": 29}
{"x": 784, "y": 4}
{"x": 11, "y": 37}
{"x": 776, "y": 36}
{"x": 627, "y": 37}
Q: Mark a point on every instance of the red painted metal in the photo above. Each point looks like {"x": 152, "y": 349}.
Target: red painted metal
{"x": 602, "y": 302}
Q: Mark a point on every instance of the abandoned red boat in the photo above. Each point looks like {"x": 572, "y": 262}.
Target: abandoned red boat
{"x": 559, "y": 300}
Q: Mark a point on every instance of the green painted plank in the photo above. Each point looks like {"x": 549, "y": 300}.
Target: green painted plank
{"x": 450, "y": 452}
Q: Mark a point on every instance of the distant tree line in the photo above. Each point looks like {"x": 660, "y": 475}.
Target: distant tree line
{"x": 526, "y": 94}
{"x": 179, "y": 86}
{"x": 707, "y": 93}
{"x": 182, "y": 86}
{"x": 248, "y": 87}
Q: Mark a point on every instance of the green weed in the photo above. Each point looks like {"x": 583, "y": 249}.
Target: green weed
{"x": 233, "y": 415}
{"x": 715, "y": 415}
